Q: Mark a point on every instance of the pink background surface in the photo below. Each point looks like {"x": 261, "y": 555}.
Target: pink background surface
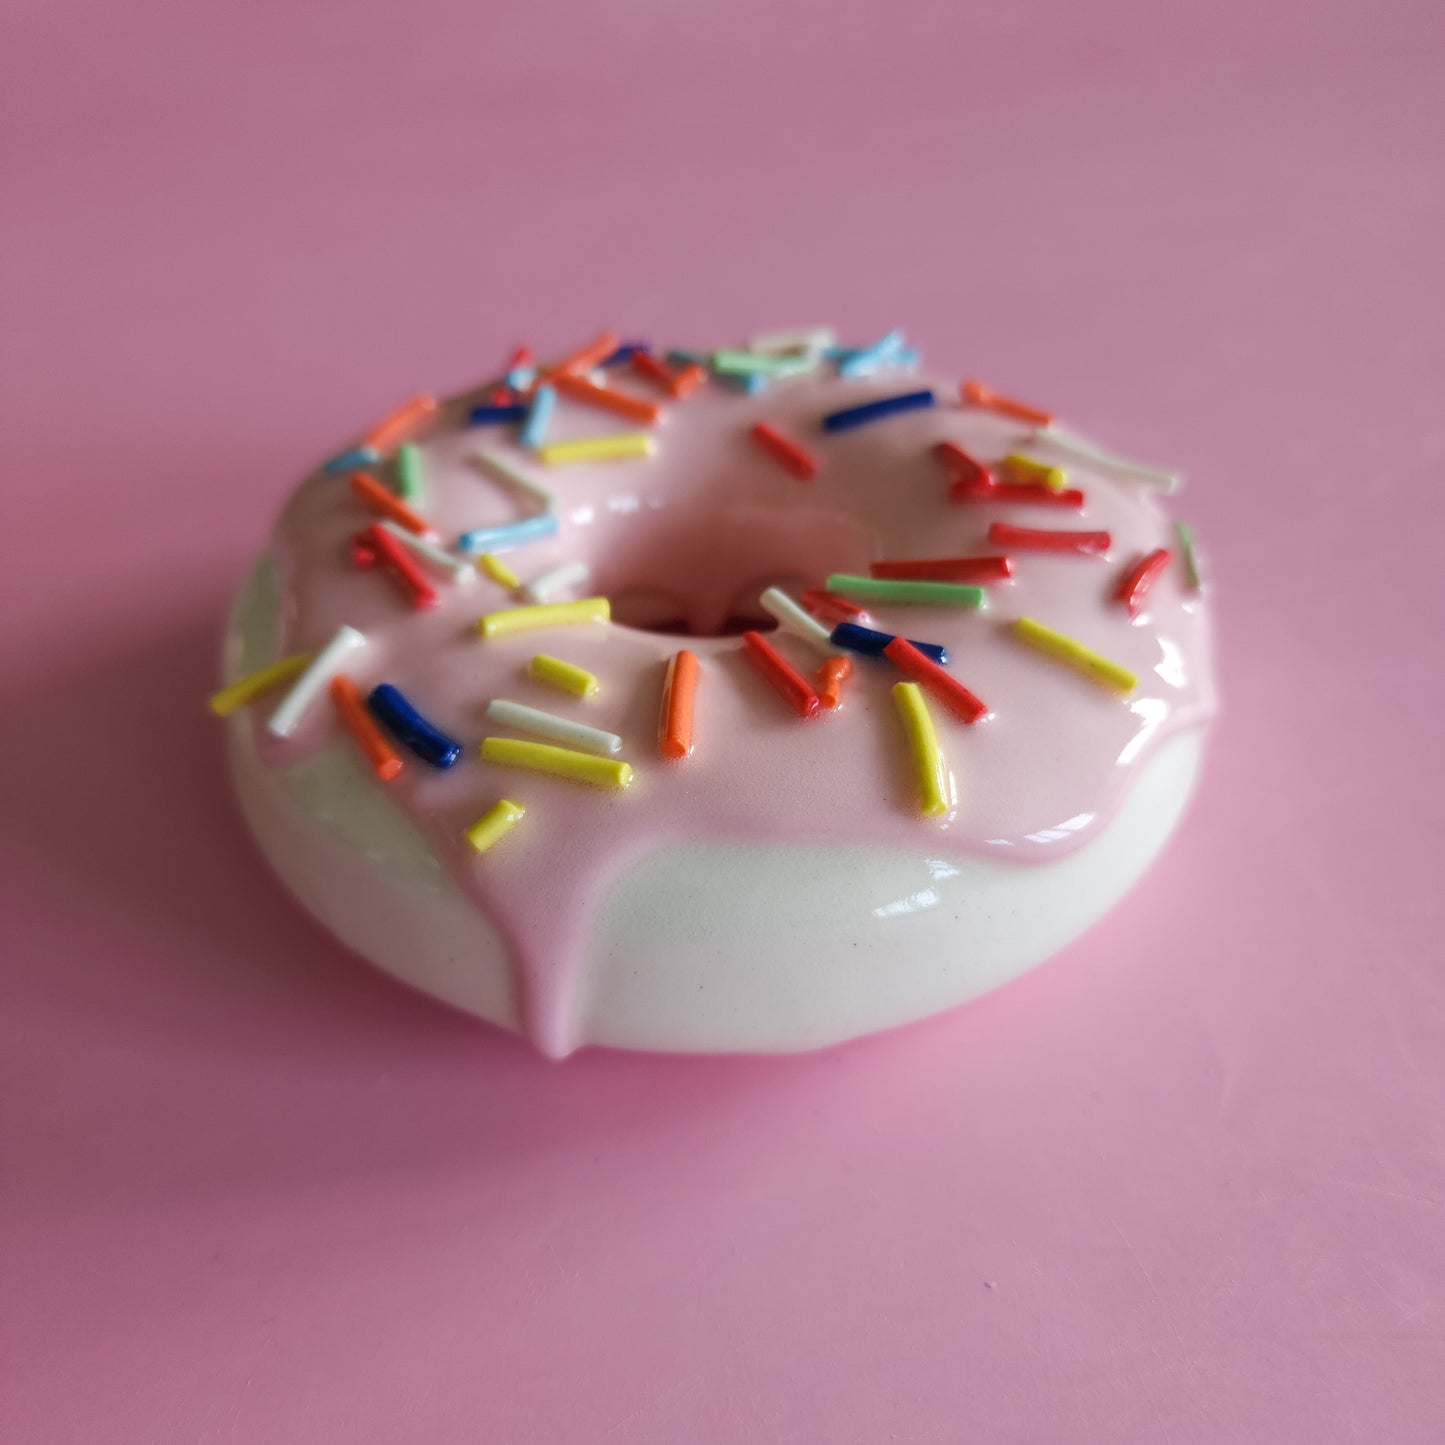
{"x": 1183, "y": 1185}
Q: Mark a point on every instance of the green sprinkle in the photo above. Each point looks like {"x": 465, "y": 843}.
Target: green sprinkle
{"x": 750, "y": 363}
{"x": 917, "y": 594}
{"x": 408, "y": 475}
{"x": 1186, "y": 549}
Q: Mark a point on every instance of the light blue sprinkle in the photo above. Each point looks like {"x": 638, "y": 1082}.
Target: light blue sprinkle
{"x": 350, "y": 461}
{"x": 519, "y": 378}
{"x": 885, "y": 351}
{"x": 509, "y": 534}
{"x": 544, "y": 400}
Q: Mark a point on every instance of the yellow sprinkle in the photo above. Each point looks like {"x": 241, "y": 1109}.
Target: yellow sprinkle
{"x": 933, "y": 781}
{"x": 564, "y": 762}
{"x": 498, "y": 571}
{"x": 598, "y": 449}
{"x": 240, "y": 692}
{"x": 1079, "y": 657}
{"x": 495, "y": 824}
{"x": 566, "y": 675}
{"x": 1026, "y": 471}
{"x": 546, "y": 614}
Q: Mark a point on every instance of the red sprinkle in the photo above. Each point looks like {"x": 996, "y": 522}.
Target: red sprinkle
{"x": 1031, "y": 539}
{"x": 943, "y": 685}
{"x": 346, "y": 697}
{"x": 1070, "y": 497}
{"x": 1140, "y": 578}
{"x": 676, "y": 384}
{"x": 973, "y": 570}
{"x": 789, "y": 684}
{"x": 398, "y": 562}
{"x": 521, "y": 356}
{"x": 367, "y": 489}
{"x": 786, "y": 453}
{"x": 965, "y": 468}
{"x": 975, "y": 393}
{"x": 830, "y": 608}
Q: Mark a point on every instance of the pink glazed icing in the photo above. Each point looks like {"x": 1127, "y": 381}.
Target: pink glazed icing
{"x": 694, "y": 533}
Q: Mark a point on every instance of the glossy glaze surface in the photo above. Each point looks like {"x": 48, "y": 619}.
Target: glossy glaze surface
{"x": 689, "y": 538}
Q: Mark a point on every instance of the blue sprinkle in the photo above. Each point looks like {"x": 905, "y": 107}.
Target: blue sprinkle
{"x": 886, "y": 349}
{"x": 544, "y": 402}
{"x": 519, "y": 378}
{"x": 411, "y": 729}
{"x": 352, "y": 460}
{"x": 487, "y": 415}
{"x": 852, "y": 416}
{"x": 626, "y": 352}
{"x": 865, "y": 640}
{"x": 509, "y": 534}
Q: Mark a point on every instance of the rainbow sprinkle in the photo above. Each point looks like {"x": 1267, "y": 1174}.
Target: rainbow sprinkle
{"x": 598, "y": 449}
{"x": 560, "y": 762}
{"x": 581, "y": 736}
{"x": 870, "y": 411}
{"x": 237, "y": 694}
{"x": 567, "y": 676}
{"x": 408, "y": 475}
{"x": 495, "y": 824}
{"x": 934, "y": 784}
{"x": 1076, "y": 655}
{"x": 544, "y": 403}
{"x": 905, "y": 592}
{"x": 498, "y": 571}
{"x": 551, "y": 614}
{"x": 509, "y": 534}
{"x": 314, "y": 681}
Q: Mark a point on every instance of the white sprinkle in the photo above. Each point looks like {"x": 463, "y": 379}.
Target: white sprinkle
{"x": 548, "y": 725}
{"x": 565, "y": 578}
{"x": 504, "y": 471}
{"x": 308, "y": 687}
{"x": 1065, "y": 441}
{"x": 457, "y": 568}
{"x": 811, "y": 340}
{"x": 792, "y": 618}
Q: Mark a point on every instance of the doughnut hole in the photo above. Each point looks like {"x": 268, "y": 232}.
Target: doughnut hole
{"x": 701, "y": 573}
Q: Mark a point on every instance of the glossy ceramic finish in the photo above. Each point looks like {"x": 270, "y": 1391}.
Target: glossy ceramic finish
{"x": 689, "y": 539}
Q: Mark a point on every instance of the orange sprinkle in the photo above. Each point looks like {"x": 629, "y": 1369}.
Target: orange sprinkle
{"x": 975, "y": 393}
{"x": 370, "y": 491}
{"x": 580, "y": 389}
{"x": 346, "y": 697}
{"x": 585, "y": 358}
{"x": 396, "y": 424}
{"x": 674, "y": 732}
{"x": 834, "y": 672}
